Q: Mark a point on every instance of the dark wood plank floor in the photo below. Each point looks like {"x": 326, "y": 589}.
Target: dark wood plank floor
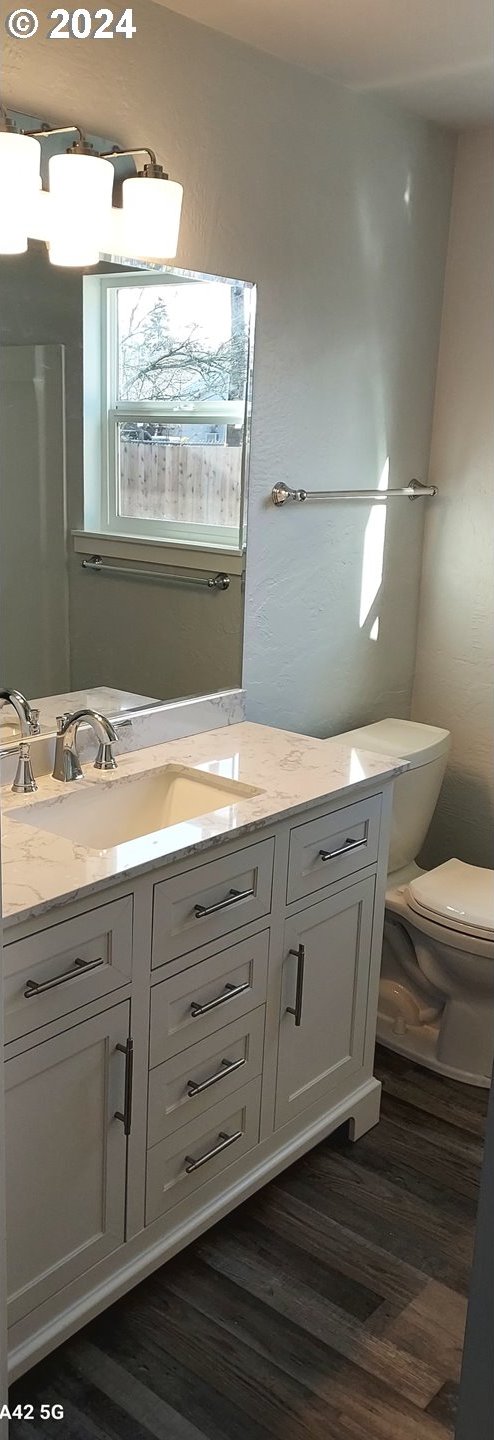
{"x": 331, "y": 1306}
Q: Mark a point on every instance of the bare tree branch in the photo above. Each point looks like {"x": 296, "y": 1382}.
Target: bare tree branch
{"x": 156, "y": 364}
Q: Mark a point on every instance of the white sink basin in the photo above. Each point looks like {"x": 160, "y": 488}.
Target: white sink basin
{"x": 107, "y": 814}
{"x": 10, "y": 731}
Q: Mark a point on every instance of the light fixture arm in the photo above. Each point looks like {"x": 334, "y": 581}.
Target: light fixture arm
{"x": 47, "y": 130}
{"x": 152, "y": 171}
{"x": 117, "y": 154}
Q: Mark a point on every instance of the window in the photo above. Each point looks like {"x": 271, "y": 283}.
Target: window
{"x": 166, "y": 381}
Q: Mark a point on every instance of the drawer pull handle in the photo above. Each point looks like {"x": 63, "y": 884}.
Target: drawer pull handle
{"x": 227, "y": 1068}
{"x": 230, "y": 992}
{"x": 39, "y": 987}
{"x": 343, "y": 849}
{"x": 296, "y": 1009}
{"x": 225, "y": 1141}
{"x": 125, "y": 1115}
{"x": 233, "y": 898}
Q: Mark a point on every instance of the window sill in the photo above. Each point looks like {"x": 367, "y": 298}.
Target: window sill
{"x": 181, "y": 555}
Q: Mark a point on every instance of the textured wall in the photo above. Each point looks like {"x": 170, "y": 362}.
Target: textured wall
{"x": 338, "y": 207}
{"x": 454, "y": 675}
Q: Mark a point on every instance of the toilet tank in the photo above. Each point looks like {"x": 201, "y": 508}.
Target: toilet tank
{"x": 416, "y": 792}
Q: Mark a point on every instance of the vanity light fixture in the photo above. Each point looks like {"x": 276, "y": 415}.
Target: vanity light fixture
{"x": 75, "y": 215}
{"x": 151, "y": 210}
{"x": 20, "y": 157}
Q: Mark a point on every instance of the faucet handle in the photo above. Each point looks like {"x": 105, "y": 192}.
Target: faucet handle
{"x": 34, "y": 725}
{"x": 24, "y": 782}
{"x": 105, "y": 759}
{"x": 62, "y": 720}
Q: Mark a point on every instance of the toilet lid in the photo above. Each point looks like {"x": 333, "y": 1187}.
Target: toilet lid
{"x": 457, "y": 895}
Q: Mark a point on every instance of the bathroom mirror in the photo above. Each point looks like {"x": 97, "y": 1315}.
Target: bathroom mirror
{"x": 124, "y": 418}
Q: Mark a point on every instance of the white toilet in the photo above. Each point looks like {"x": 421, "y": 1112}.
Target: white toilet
{"x": 436, "y": 996}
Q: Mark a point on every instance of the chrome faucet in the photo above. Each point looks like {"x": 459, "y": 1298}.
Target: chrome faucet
{"x": 28, "y": 717}
{"x": 67, "y": 764}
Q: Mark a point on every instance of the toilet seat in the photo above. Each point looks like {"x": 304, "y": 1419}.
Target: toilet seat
{"x": 398, "y": 904}
{"x": 457, "y": 896}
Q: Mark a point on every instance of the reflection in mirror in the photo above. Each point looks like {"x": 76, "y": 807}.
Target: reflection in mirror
{"x": 124, "y": 417}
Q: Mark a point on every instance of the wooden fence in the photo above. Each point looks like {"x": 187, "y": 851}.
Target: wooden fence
{"x": 196, "y": 483}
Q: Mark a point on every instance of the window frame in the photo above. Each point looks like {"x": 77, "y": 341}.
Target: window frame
{"x": 103, "y": 414}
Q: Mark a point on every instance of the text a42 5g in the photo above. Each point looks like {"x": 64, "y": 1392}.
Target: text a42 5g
{"x": 44, "y": 1411}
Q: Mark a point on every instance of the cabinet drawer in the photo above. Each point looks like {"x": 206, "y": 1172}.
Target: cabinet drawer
{"x": 201, "y": 1076}
{"x": 212, "y": 900}
{"x": 207, "y": 996}
{"x": 322, "y": 851}
{"x": 53, "y": 973}
{"x": 199, "y": 1151}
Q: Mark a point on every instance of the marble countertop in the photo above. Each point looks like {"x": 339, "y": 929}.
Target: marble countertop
{"x": 41, "y": 870}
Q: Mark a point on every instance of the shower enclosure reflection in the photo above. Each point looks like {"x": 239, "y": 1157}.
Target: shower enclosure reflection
{"x": 124, "y": 418}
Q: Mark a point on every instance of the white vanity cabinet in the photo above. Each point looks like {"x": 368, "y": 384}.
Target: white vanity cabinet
{"x": 247, "y": 980}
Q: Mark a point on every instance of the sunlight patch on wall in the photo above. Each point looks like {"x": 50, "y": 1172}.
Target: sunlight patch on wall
{"x": 373, "y": 557}
{"x": 407, "y": 194}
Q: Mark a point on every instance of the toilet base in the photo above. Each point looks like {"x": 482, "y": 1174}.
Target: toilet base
{"x": 419, "y": 1043}
{"x": 436, "y": 999}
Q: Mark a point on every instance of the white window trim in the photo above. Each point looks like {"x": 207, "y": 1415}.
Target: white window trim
{"x": 180, "y": 556}
{"x": 102, "y": 415}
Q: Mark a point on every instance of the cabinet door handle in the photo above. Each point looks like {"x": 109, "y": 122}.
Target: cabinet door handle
{"x": 233, "y": 898}
{"x": 225, "y": 1141}
{"x": 343, "y": 849}
{"x": 39, "y": 987}
{"x": 296, "y": 1009}
{"x": 227, "y": 1067}
{"x": 125, "y": 1115}
{"x": 230, "y": 992}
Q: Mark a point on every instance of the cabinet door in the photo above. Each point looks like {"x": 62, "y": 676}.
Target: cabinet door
{"x": 325, "y": 968}
{"x": 66, "y": 1157}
